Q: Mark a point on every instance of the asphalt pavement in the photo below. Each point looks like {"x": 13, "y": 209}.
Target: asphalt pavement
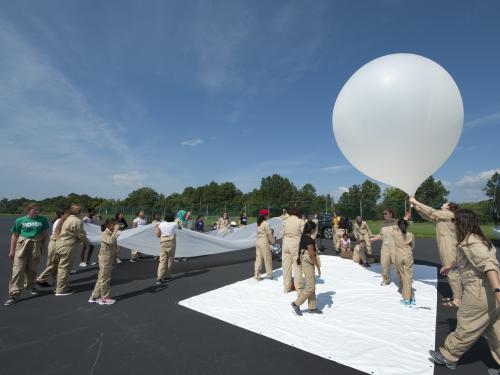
{"x": 147, "y": 332}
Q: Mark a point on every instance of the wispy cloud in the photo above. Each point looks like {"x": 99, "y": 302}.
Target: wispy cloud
{"x": 192, "y": 142}
{"x": 490, "y": 119}
{"x": 132, "y": 179}
{"x": 336, "y": 168}
{"x": 476, "y": 180}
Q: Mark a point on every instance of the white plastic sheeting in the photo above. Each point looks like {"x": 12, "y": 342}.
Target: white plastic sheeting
{"x": 189, "y": 243}
{"x": 363, "y": 324}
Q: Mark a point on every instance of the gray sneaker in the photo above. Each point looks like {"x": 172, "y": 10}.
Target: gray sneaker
{"x": 492, "y": 371}
{"x": 296, "y": 309}
{"x": 315, "y": 311}
{"x": 10, "y": 301}
{"x": 440, "y": 359}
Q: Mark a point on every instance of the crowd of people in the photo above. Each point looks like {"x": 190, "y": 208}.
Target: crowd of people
{"x": 468, "y": 259}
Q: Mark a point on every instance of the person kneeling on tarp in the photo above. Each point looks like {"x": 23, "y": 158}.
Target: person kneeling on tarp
{"x": 107, "y": 253}
{"x": 307, "y": 261}
{"x": 478, "y": 313}
{"x": 359, "y": 254}
{"x": 165, "y": 231}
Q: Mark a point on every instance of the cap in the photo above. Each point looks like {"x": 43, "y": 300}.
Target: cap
{"x": 263, "y": 212}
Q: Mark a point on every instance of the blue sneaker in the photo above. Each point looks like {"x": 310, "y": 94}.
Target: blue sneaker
{"x": 406, "y": 302}
{"x": 413, "y": 302}
{"x": 440, "y": 359}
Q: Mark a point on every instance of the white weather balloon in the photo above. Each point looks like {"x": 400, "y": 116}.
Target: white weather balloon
{"x": 398, "y": 119}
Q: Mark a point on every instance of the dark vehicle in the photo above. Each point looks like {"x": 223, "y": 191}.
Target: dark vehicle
{"x": 325, "y": 226}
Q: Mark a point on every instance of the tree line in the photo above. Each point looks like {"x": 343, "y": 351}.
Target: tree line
{"x": 275, "y": 192}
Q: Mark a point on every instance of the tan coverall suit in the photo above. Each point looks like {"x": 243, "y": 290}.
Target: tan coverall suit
{"x": 359, "y": 254}
{"x": 479, "y": 312}
{"x": 222, "y": 225}
{"x": 309, "y": 292}
{"x": 292, "y": 231}
{"x": 51, "y": 266}
{"x": 387, "y": 250}
{"x": 362, "y": 232}
{"x": 446, "y": 240}
{"x": 264, "y": 240}
{"x": 71, "y": 235}
{"x": 106, "y": 258}
{"x": 404, "y": 246}
{"x": 314, "y": 235}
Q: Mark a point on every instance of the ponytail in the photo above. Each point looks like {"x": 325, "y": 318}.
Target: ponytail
{"x": 107, "y": 222}
{"x": 74, "y": 209}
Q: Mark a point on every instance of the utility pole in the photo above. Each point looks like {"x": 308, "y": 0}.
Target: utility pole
{"x": 360, "y": 209}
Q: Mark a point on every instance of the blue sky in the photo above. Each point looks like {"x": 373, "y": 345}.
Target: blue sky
{"x": 105, "y": 97}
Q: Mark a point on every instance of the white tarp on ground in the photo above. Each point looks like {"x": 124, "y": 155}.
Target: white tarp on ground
{"x": 363, "y": 324}
{"x": 189, "y": 243}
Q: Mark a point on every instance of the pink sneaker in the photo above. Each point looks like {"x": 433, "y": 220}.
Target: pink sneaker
{"x": 94, "y": 300}
{"x": 106, "y": 301}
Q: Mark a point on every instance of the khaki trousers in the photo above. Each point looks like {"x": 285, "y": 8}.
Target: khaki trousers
{"x": 289, "y": 263}
{"x": 64, "y": 260}
{"x": 368, "y": 244}
{"x": 309, "y": 292}
{"x": 404, "y": 270}
{"x": 26, "y": 260}
{"x": 386, "y": 259}
{"x": 167, "y": 254}
{"x": 455, "y": 283}
{"x": 51, "y": 266}
{"x": 101, "y": 289}
{"x": 263, "y": 253}
{"x": 477, "y": 315}
{"x": 337, "y": 239}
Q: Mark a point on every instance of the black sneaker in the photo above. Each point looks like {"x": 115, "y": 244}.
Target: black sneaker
{"x": 133, "y": 260}
{"x": 296, "y": 309}
{"x": 10, "y": 301}
{"x": 34, "y": 291}
{"x": 43, "y": 284}
{"x": 66, "y": 292}
{"x": 440, "y": 359}
{"x": 315, "y": 311}
{"x": 159, "y": 282}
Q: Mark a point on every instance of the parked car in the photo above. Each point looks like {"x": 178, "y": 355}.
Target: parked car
{"x": 325, "y": 229}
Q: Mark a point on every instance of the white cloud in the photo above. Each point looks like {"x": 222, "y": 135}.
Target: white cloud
{"x": 490, "y": 119}
{"x": 192, "y": 142}
{"x": 477, "y": 180}
{"x": 132, "y": 179}
{"x": 469, "y": 187}
{"x": 336, "y": 168}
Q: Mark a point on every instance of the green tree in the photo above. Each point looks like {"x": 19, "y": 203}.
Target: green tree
{"x": 370, "y": 194}
{"x": 144, "y": 198}
{"x": 492, "y": 186}
{"x": 277, "y": 191}
{"x": 394, "y": 199}
{"x": 432, "y": 193}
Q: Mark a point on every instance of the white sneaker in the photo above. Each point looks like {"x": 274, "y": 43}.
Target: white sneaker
{"x": 106, "y": 301}
{"x": 82, "y": 264}
{"x": 118, "y": 260}
{"x": 91, "y": 300}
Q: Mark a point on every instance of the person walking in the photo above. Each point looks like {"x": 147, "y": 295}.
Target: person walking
{"x": 264, "y": 239}
{"x": 166, "y": 232}
{"x": 307, "y": 261}
{"x": 29, "y": 234}
{"x": 293, "y": 228}
{"x": 88, "y": 249}
{"x": 51, "y": 266}
{"x": 446, "y": 238}
{"x": 69, "y": 234}
{"x": 479, "y": 310}
{"x": 107, "y": 253}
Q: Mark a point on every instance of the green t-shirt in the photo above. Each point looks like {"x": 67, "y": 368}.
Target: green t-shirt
{"x": 28, "y": 227}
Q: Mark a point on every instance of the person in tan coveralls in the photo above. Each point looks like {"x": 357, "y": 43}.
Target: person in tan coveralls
{"x": 27, "y": 241}
{"x": 387, "y": 254}
{"x": 293, "y": 228}
{"x": 51, "y": 267}
{"x": 107, "y": 253}
{"x": 284, "y": 214}
{"x": 69, "y": 234}
{"x": 479, "y": 310}
{"x": 404, "y": 243}
{"x": 307, "y": 261}
{"x": 166, "y": 232}
{"x": 359, "y": 254}
{"x": 362, "y": 232}
{"x": 447, "y": 243}
{"x": 264, "y": 240}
